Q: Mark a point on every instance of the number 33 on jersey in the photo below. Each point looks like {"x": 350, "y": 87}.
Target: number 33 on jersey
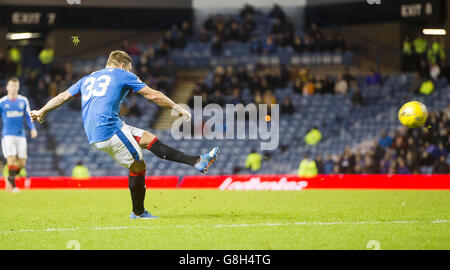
{"x": 102, "y": 92}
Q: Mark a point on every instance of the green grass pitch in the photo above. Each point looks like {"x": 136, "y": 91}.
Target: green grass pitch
{"x": 213, "y": 219}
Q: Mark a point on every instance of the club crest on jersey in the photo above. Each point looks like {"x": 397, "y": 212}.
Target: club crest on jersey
{"x": 21, "y": 105}
{"x": 7, "y": 106}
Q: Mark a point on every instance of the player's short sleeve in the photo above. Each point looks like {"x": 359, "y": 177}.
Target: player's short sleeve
{"x": 132, "y": 82}
{"x": 75, "y": 88}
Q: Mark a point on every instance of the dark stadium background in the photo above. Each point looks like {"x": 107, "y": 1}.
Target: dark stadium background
{"x": 353, "y": 41}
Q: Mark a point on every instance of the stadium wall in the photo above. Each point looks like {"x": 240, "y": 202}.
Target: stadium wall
{"x": 377, "y": 41}
{"x": 247, "y": 182}
{"x": 3, "y": 32}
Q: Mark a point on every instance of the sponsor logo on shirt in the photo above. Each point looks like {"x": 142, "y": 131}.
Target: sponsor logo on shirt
{"x": 14, "y": 114}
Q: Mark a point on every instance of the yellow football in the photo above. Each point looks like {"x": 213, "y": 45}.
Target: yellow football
{"x": 413, "y": 114}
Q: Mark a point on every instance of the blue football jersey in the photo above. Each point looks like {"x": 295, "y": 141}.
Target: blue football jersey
{"x": 13, "y": 112}
{"x": 102, "y": 93}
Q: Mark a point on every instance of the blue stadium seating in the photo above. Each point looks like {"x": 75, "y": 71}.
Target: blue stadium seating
{"x": 341, "y": 125}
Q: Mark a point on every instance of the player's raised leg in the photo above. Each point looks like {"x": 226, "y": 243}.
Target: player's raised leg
{"x": 149, "y": 141}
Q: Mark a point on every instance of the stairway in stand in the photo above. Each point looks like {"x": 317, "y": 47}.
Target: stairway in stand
{"x": 185, "y": 83}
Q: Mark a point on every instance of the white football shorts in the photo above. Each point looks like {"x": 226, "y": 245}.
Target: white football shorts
{"x": 123, "y": 146}
{"x": 14, "y": 146}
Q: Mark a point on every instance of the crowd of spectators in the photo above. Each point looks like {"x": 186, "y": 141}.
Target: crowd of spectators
{"x": 226, "y": 84}
{"x": 426, "y": 57}
{"x": 408, "y": 151}
{"x": 47, "y": 81}
{"x": 219, "y": 30}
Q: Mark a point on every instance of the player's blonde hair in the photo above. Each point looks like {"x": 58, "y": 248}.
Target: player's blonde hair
{"x": 118, "y": 57}
{"x": 13, "y": 79}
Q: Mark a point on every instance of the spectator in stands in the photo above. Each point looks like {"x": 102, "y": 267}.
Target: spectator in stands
{"x": 80, "y": 172}
{"x": 435, "y": 71}
{"x": 374, "y": 78}
{"x": 287, "y": 107}
{"x": 407, "y": 55}
{"x": 277, "y": 27}
{"x": 180, "y": 40}
{"x": 217, "y": 98}
{"x": 209, "y": 23}
{"x": 420, "y": 46}
{"x": 424, "y": 69}
{"x": 313, "y": 136}
{"x": 232, "y": 34}
{"x": 308, "y": 88}
{"x": 236, "y": 97}
{"x": 307, "y": 168}
{"x": 186, "y": 29}
{"x": 46, "y": 56}
{"x": 216, "y": 45}
{"x": 385, "y": 140}
{"x": 255, "y": 45}
{"x": 9, "y": 67}
{"x": 341, "y": 86}
{"x": 249, "y": 23}
{"x": 40, "y": 94}
{"x": 253, "y": 161}
{"x": 402, "y": 168}
{"x": 53, "y": 89}
{"x": 327, "y": 85}
{"x": 269, "y": 99}
{"x": 298, "y": 44}
{"x": 440, "y": 166}
{"x": 320, "y": 165}
{"x": 357, "y": 98}
{"x": 268, "y": 47}
{"x": 436, "y": 53}
{"x": 317, "y": 81}
{"x": 427, "y": 87}
{"x": 416, "y": 82}
{"x": 246, "y": 10}
{"x": 328, "y": 165}
{"x": 15, "y": 55}
{"x": 203, "y": 35}
{"x": 277, "y": 13}
{"x": 257, "y": 98}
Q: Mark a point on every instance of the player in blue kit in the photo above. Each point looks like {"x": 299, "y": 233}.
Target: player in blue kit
{"x": 13, "y": 109}
{"x": 102, "y": 93}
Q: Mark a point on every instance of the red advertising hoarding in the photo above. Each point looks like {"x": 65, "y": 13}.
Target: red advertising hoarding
{"x": 292, "y": 182}
{"x": 93, "y": 182}
{"x": 248, "y": 182}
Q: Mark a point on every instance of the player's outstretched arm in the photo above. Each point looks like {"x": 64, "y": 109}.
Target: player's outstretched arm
{"x": 52, "y": 104}
{"x": 163, "y": 101}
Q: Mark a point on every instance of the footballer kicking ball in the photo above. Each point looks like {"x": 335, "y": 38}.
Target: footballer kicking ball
{"x": 413, "y": 114}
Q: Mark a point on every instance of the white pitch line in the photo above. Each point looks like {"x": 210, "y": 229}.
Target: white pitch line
{"x": 303, "y": 223}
